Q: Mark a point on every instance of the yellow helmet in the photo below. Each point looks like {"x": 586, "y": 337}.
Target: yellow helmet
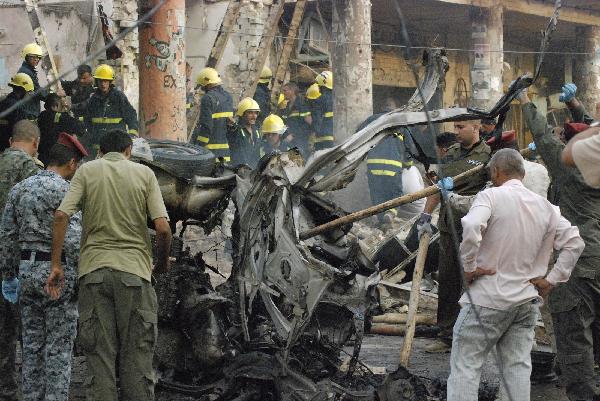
{"x": 325, "y": 79}
{"x": 32, "y": 49}
{"x": 265, "y": 75}
{"x": 22, "y": 80}
{"x": 281, "y": 101}
{"x": 105, "y": 72}
{"x": 273, "y": 124}
{"x": 247, "y": 104}
{"x": 313, "y": 92}
{"x": 208, "y": 76}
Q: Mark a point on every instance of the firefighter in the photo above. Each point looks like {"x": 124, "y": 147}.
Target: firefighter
{"x": 21, "y": 84}
{"x": 108, "y": 109}
{"x": 55, "y": 119}
{"x": 243, "y": 137}
{"x": 80, "y": 90}
{"x": 216, "y": 113}
{"x": 32, "y": 54}
{"x": 323, "y": 114}
{"x": 312, "y": 95}
{"x": 297, "y": 117}
{"x": 272, "y": 131}
{"x": 263, "y": 94}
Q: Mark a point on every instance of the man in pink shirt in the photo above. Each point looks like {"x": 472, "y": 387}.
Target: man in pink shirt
{"x": 508, "y": 238}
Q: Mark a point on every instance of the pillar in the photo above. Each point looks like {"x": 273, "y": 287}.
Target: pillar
{"x": 587, "y": 67}
{"x": 351, "y": 64}
{"x": 487, "y": 38}
{"x": 162, "y": 72}
{"x": 125, "y": 14}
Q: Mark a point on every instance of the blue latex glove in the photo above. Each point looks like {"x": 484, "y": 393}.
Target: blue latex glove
{"x": 424, "y": 225}
{"x": 567, "y": 93}
{"x": 446, "y": 184}
{"x": 532, "y": 147}
{"x": 10, "y": 290}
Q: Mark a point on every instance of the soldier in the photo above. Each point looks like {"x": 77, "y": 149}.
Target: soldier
{"x": 117, "y": 197}
{"x": 469, "y": 152}
{"x": 80, "y": 90}
{"x": 297, "y": 118}
{"x": 21, "y": 84}
{"x": 48, "y": 326}
{"x": 54, "y": 120}
{"x": 32, "y": 54}
{"x": 216, "y": 113}
{"x": 263, "y": 94}
{"x": 243, "y": 137}
{"x": 108, "y": 109}
{"x": 16, "y": 164}
{"x": 574, "y": 304}
{"x": 323, "y": 114}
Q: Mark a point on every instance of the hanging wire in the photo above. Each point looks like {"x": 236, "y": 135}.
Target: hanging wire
{"x": 62, "y": 7}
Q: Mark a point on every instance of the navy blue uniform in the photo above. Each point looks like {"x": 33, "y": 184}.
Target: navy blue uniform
{"x": 294, "y": 117}
{"x": 216, "y": 107}
{"x": 244, "y": 145}
{"x": 323, "y": 119}
{"x": 32, "y": 108}
{"x": 51, "y": 124}
{"x": 263, "y": 98}
{"x": 107, "y": 113}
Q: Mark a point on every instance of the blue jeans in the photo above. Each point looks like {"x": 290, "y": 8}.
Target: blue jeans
{"x": 511, "y": 331}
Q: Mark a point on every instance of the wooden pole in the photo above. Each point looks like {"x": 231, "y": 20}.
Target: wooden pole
{"x": 284, "y": 58}
{"x": 373, "y": 210}
{"x": 220, "y": 43}
{"x": 413, "y": 302}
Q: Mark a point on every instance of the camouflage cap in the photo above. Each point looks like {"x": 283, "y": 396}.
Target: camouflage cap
{"x": 71, "y": 141}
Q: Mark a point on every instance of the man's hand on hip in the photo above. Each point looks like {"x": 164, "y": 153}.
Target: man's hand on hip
{"x": 478, "y": 272}
{"x": 542, "y": 285}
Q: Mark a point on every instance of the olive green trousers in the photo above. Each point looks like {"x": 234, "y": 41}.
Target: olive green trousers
{"x": 117, "y": 333}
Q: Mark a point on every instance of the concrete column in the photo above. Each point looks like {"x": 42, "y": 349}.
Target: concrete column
{"x": 587, "y": 67}
{"x": 162, "y": 72}
{"x": 125, "y": 14}
{"x": 352, "y": 85}
{"x": 351, "y": 66}
{"x": 487, "y": 35}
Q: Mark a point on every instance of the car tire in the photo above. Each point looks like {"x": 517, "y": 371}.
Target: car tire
{"x": 182, "y": 159}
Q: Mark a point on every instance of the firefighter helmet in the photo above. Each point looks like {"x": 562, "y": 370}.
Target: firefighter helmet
{"x": 265, "y": 75}
{"x": 208, "y": 76}
{"x": 247, "y": 104}
{"x": 273, "y": 124}
{"x": 32, "y": 49}
{"x": 22, "y": 80}
{"x": 313, "y": 92}
{"x": 105, "y": 72}
{"x": 325, "y": 79}
{"x": 281, "y": 101}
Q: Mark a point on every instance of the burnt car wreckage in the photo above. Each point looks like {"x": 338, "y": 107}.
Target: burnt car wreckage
{"x": 276, "y": 328}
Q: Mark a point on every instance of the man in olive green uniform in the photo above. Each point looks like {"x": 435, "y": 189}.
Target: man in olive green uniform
{"x": 117, "y": 302}
{"x": 575, "y": 304}
{"x": 16, "y": 164}
{"x": 469, "y": 151}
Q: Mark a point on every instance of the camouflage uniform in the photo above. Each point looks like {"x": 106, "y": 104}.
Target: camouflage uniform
{"x": 575, "y": 305}
{"x": 15, "y": 166}
{"x": 457, "y": 160}
{"x": 48, "y": 326}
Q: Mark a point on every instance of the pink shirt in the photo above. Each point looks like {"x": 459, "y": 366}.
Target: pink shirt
{"x": 513, "y": 231}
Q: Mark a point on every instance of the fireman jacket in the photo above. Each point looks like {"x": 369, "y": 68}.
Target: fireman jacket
{"x": 294, "y": 117}
{"x": 243, "y": 145}
{"x": 323, "y": 120}
{"x": 7, "y": 122}
{"x": 107, "y": 113}
{"x": 263, "y": 98}
{"x": 33, "y": 108}
{"x": 216, "y": 108}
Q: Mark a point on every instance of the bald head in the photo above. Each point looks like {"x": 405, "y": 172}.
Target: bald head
{"x": 506, "y": 164}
